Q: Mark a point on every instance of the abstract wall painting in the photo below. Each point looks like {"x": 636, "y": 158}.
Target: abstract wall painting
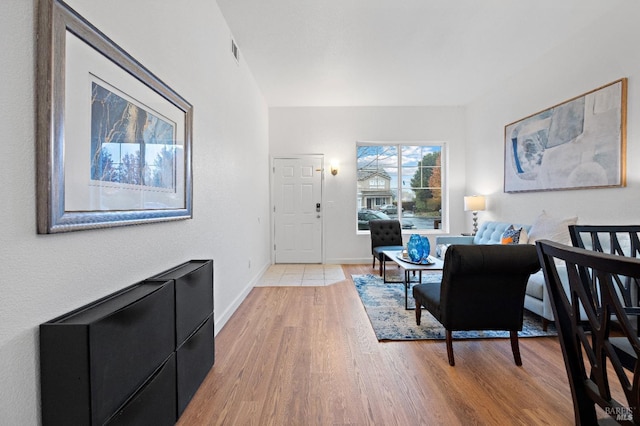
{"x": 113, "y": 140}
{"x": 578, "y": 144}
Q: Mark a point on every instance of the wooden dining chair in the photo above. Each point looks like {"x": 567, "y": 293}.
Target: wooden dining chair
{"x": 590, "y": 347}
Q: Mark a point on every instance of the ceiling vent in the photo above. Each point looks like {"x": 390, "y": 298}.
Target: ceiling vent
{"x": 235, "y": 51}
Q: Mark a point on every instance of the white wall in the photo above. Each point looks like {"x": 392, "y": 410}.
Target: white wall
{"x": 600, "y": 54}
{"x": 185, "y": 43}
{"x": 334, "y": 131}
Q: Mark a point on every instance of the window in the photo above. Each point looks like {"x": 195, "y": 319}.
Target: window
{"x": 377, "y": 183}
{"x": 403, "y": 181}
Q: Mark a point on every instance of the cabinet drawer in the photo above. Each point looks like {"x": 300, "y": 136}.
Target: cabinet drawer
{"x": 95, "y": 357}
{"x": 155, "y": 403}
{"x": 194, "y": 295}
{"x": 195, "y": 358}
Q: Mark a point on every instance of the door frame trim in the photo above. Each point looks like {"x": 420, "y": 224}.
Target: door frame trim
{"x": 272, "y": 200}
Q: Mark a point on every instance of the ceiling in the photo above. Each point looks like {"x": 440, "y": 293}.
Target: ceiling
{"x": 397, "y": 52}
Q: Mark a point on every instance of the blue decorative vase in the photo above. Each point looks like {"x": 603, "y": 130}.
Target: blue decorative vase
{"x": 426, "y": 247}
{"x": 414, "y": 248}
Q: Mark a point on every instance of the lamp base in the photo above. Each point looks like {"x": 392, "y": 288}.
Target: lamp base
{"x": 475, "y": 223}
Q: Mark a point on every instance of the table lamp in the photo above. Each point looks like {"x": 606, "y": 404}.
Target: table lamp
{"x": 474, "y": 203}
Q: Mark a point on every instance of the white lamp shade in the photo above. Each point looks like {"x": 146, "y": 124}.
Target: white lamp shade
{"x": 474, "y": 203}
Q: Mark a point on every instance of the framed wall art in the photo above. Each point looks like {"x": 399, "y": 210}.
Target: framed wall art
{"x": 578, "y": 144}
{"x": 113, "y": 140}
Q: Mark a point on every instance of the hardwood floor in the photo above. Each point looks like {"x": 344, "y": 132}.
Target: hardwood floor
{"x": 308, "y": 356}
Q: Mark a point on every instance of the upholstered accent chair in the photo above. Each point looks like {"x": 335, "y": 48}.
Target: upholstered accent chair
{"x": 545, "y": 227}
{"x": 385, "y": 235}
{"x": 482, "y": 288}
{"x": 590, "y": 349}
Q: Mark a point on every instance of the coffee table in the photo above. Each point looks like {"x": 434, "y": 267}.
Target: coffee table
{"x": 409, "y": 268}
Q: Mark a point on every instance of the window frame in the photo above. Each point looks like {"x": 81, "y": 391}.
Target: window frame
{"x": 444, "y": 176}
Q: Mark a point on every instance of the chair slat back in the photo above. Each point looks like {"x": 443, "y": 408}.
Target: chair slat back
{"x": 621, "y": 240}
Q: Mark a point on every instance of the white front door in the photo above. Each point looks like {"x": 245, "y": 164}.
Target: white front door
{"x": 297, "y": 209}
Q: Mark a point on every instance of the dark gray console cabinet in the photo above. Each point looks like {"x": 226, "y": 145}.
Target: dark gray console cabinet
{"x": 134, "y": 357}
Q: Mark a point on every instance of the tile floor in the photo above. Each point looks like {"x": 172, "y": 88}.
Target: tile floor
{"x": 301, "y": 275}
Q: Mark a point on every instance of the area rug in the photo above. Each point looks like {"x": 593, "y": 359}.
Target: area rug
{"x": 384, "y": 304}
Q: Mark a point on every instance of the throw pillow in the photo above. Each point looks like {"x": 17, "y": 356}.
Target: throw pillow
{"x": 510, "y": 235}
{"x": 524, "y": 237}
{"x": 441, "y": 250}
{"x": 547, "y": 227}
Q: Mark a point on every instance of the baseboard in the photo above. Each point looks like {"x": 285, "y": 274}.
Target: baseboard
{"x": 349, "y": 260}
{"x": 222, "y": 319}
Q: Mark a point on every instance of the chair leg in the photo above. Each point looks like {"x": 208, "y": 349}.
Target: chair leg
{"x": 545, "y": 324}
{"x": 450, "y": 348}
{"x": 381, "y": 262}
{"x": 374, "y": 262}
{"x": 418, "y": 311}
{"x": 515, "y": 347}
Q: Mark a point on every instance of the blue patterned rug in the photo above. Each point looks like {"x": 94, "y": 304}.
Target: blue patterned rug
{"x": 384, "y": 304}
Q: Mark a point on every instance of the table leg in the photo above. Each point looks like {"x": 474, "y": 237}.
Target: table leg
{"x": 384, "y": 276}
{"x": 407, "y": 284}
{"x": 407, "y": 281}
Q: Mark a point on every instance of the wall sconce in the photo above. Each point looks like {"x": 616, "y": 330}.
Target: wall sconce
{"x": 474, "y": 203}
{"x": 334, "y": 167}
